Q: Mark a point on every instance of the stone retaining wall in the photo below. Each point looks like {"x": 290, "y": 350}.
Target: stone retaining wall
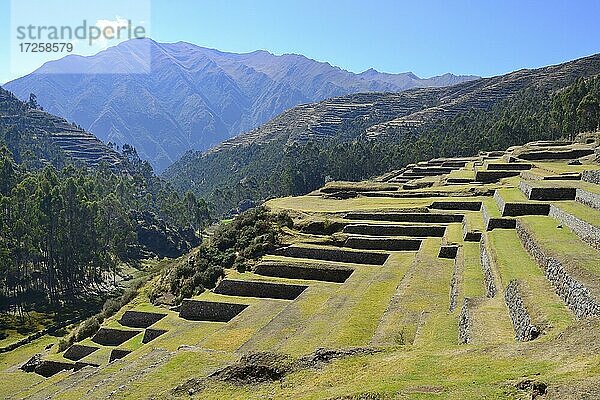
{"x": 303, "y": 271}
{"x": 509, "y": 166}
{"x": 496, "y": 223}
{"x": 586, "y": 232}
{"x": 486, "y": 266}
{"x": 47, "y": 368}
{"x": 456, "y": 205}
{"x": 268, "y": 290}
{"x": 77, "y": 351}
{"x": 455, "y": 281}
{"x": 406, "y": 217}
{"x": 493, "y": 176}
{"x": 113, "y": 337}
{"x": 524, "y": 329}
{"x": 391, "y": 244}
{"x": 448, "y": 251}
{"x": 588, "y": 198}
{"x": 396, "y": 230}
{"x": 117, "y": 354}
{"x": 574, "y": 293}
{"x": 322, "y": 227}
{"x": 200, "y": 310}
{"x": 592, "y": 176}
{"x": 80, "y": 364}
{"x": 555, "y": 155}
{"x": 519, "y": 209}
{"x": 547, "y": 193}
{"x": 151, "y": 333}
{"x": 356, "y": 257}
{"x": 140, "y": 319}
{"x": 465, "y": 323}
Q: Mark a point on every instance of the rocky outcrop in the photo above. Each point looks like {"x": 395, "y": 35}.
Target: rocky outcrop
{"x": 525, "y": 330}
{"x": 573, "y": 292}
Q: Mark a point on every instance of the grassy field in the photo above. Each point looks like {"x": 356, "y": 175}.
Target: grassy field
{"x": 398, "y": 314}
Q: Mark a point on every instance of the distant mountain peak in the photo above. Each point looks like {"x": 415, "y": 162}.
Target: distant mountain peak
{"x": 194, "y": 97}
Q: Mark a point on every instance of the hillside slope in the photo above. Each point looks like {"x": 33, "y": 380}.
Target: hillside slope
{"x": 458, "y": 278}
{"x": 40, "y": 137}
{"x": 369, "y": 133}
{"x": 194, "y": 97}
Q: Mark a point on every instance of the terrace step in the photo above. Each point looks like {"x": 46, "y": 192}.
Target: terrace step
{"x": 509, "y": 166}
{"x": 395, "y": 230}
{"x": 492, "y": 223}
{"x": 113, "y": 337}
{"x": 406, "y": 217}
{"x": 48, "y": 368}
{"x": 514, "y": 209}
{"x": 448, "y": 251}
{"x": 493, "y": 176}
{"x": 547, "y": 193}
{"x": 382, "y": 243}
{"x": 456, "y": 205}
{"x": 78, "y": 351}
{"x": 117, "y": 354}
{"x": 201, "y": 310}
{"x": 140, "y": 319}
{"x": 266, "y": 290}
{"x": 329, "y": 254}
{"x": 306, "y": 271}
{"x": 587, "y": 232}
{"x": 150, "y": 334}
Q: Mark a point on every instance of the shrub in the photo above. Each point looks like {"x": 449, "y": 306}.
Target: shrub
{"x": 233, "y": 245}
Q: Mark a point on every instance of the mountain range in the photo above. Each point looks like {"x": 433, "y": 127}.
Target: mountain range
{"x": 194, "y": 97}
{"x": 356, "y": 136}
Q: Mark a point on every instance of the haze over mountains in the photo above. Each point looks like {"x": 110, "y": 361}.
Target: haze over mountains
{"x": 194, "y": 97}
{"x": 356, "y": 136}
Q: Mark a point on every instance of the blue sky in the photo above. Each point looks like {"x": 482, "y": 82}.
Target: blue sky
{"x": 426, "y": 37}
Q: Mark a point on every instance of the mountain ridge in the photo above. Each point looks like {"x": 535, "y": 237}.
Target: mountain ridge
{"x": 194, "y": 97}
{"x": 355, "y": 136}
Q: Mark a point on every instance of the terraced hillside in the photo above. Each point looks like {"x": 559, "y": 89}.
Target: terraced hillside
{"x": 55, "y": 133}
{"x": 466, "y": 278}
{"x": 357, "y": 136}
{"x": 381, "y": 112}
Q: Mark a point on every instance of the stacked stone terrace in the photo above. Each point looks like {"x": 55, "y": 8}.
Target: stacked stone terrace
{"x": 447, "y": 246}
